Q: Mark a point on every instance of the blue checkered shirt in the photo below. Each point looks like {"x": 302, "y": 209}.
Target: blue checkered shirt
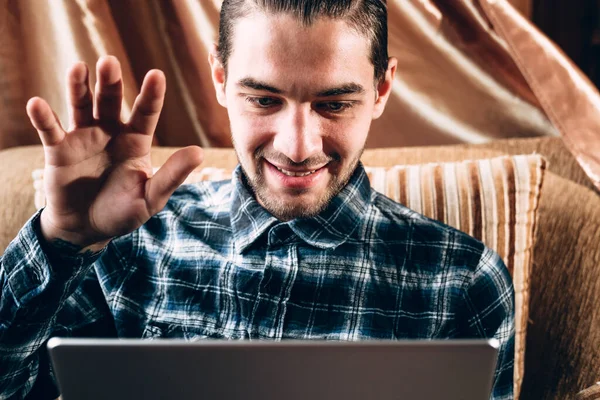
{"x": 215, "y": 264}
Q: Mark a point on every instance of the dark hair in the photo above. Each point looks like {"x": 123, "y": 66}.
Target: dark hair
{"x": 368, "y": 17}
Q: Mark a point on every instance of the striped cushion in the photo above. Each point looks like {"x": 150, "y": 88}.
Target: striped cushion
{"x": 494, "y": 200}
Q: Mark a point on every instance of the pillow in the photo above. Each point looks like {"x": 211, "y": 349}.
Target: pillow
{"x": 494, "y": 200}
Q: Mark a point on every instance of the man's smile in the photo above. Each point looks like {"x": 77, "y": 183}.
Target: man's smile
{"x": 294, "y": 177}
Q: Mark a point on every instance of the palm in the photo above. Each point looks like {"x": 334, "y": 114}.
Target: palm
{"x": 102, "y": 176}
{"x": 98, "y": 176}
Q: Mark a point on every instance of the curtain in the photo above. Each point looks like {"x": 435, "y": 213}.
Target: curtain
{"x": 469, "y": 71}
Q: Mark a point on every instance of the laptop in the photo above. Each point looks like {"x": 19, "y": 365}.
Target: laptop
{"x": 288, "y": 370}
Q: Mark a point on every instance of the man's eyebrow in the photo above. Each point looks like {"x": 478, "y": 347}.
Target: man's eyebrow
{"x": 251, "y": 83}
{"x": 347, "y": 88}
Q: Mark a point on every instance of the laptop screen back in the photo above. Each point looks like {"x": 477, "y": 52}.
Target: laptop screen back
{"x": 291, "y": 370}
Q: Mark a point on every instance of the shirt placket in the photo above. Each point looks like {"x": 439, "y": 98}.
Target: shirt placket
{"x": 281, "y": 268}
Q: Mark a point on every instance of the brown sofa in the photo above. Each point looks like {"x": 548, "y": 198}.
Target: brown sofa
{"x": 563, "y": 340}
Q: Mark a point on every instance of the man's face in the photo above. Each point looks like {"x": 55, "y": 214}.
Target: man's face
{"x": 300, "y": 101}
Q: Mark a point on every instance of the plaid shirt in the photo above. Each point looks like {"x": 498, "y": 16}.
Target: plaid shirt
{"x": 215, "y": 264}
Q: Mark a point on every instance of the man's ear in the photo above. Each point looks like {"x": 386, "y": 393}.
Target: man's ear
{"x": 218, "y": 75}
{"x": 384, "y": 88}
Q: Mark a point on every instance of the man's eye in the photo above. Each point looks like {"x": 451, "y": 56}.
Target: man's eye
{"x": 262, "y": 102}
{"x": 334, "y": 106}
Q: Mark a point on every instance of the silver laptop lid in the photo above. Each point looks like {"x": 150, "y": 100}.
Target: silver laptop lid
{"x": 292, "y": 370}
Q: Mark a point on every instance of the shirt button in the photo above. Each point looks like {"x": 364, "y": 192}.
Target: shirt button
{"x": 279, "y": 234}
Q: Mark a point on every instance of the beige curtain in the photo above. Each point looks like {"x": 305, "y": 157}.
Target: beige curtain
{"x": 469, "y": 71}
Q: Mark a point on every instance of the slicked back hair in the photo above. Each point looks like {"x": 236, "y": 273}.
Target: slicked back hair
{"x": 367, "y": 17}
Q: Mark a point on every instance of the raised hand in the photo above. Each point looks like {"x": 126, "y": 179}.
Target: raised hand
{"x": 98, "y": 174}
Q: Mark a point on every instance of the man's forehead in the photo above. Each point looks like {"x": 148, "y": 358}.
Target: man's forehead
{"x": 265, "y": 45}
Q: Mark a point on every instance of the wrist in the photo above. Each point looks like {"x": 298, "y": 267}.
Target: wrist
{"x": 68, "y": 242}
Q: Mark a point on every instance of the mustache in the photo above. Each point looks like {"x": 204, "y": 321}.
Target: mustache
{"x": 282, "y": 159}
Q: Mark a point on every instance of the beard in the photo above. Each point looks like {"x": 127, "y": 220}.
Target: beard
{"x": 298, "y": 209}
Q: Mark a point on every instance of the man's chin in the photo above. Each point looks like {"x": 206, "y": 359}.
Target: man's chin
{"x": 292, "y": 206}
{"x": 287, "y": 203}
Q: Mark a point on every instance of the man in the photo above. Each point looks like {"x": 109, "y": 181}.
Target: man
{"x": 297, "y": 245}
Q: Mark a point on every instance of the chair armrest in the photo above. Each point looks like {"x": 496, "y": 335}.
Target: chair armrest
{"x": 16, "y": 189}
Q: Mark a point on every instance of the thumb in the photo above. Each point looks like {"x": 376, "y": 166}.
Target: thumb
{"x": 170, "y": 176}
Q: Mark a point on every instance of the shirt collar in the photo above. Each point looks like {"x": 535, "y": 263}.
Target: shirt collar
{"x": 332, "y": 227}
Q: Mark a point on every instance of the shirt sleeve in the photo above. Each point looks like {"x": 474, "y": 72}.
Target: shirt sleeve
{"x": 490, "y": 299}
{"x": 42, "y": 294}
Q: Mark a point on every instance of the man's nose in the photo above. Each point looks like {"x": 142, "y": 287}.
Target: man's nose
{"x": 298, "y": 134}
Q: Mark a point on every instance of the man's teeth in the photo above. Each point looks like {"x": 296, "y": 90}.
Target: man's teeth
{"x": 296, "y": 174}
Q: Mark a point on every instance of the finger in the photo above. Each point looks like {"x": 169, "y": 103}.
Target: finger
{"x": 109, "y": 90}
{"x": 80, "y": 96}
{"x": 148, "y": 104}
{"x": 170, "y": 176}
{"x": 45, "y": 121}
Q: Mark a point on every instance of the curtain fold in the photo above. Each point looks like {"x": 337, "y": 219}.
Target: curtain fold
{"x": 15, "y": 129}
{"x": 567, "y": 96}
{"x": 453, "y": 84}
{"x": 55, "y": 35}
